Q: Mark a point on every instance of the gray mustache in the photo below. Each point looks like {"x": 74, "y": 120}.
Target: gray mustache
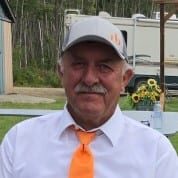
{"x": 97, "y": 88}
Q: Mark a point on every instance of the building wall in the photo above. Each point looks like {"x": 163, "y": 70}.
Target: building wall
{"x": 1, "y": 59}
{"x": 8, "y": 76}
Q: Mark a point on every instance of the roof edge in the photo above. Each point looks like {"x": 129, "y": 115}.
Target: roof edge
{"x": 8, "y": 11}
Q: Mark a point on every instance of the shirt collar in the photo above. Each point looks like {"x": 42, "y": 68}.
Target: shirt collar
{"x": 113, "y": 128}
{"x": 66, "y": 121}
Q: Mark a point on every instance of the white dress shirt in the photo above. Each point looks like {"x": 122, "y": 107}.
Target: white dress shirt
{"x": 42, "y": 147}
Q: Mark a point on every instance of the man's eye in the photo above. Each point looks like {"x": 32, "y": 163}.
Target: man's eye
{"x": 105, "y": 68}
{"x": 78, "y": 64}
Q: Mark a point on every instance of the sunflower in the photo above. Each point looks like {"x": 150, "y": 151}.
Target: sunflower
{"x": 142, "y": 94}
{"x": 135, "y": 98}
{"x": 153, "y": 98}
{"x": 156, "y": 94}
{"x": 142, "y": 88}
{"x": 158, "y": 89}
{"x": 146, "y": 94}
{"x": 152, "y": 82}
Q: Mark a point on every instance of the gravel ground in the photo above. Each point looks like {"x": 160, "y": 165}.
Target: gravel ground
{"x": 33, "y": 95}
{"x": 18, "y": 98}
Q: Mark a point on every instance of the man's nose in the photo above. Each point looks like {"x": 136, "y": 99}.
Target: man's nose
{"x": 90, "y": 76}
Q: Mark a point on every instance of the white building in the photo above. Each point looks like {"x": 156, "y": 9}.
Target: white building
{"x": 6, "y": 18}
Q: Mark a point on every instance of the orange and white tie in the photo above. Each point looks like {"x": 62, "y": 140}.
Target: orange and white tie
{"x": 82, "y": 164}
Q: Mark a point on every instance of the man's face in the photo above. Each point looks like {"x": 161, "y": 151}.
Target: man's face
{"x": 92, "y": 75}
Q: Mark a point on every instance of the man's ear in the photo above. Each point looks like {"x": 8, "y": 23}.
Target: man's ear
{"x": 60, "y": 70}
{"x": 126, "y": 78}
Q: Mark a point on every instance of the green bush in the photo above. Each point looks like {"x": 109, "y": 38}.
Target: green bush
{"x": 33, "y": 74}
{"x": 34, "y": 77}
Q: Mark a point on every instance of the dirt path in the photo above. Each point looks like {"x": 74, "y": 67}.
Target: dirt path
{"x": 52, "y": 93}
{"x": 33, "y": 95}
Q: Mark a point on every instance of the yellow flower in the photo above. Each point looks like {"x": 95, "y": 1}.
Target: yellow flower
{"x": 158, "y": 89}
{"x": 152, "y": 82}
{"x": 153, "y": 95}
{"x": 147, "y": 93}
{"x": 142, "y": 88}
{"x": 135, "y": 98}
{"x": 153, "y": 98}
{"x": 156, "y": 93}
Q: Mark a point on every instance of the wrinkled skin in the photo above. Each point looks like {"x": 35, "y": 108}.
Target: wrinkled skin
{"x": 93, "y": 63}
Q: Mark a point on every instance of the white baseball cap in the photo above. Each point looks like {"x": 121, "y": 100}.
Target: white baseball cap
{"x": 96, "y": 29}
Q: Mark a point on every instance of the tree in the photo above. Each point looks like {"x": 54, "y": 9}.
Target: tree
{"x": 39, "y": 28}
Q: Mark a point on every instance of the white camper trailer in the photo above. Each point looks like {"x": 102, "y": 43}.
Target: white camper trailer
{"x": 142, "y": 36}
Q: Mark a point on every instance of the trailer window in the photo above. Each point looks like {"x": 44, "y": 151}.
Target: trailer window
{"x": 124, "y": 33}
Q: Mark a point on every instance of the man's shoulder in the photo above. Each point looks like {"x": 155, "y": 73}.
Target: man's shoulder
{"x": 40, "y": 121}
{"x": 141, "y": 129}
{"x": 145, "y": 135}
{"x": 35, "y": 125}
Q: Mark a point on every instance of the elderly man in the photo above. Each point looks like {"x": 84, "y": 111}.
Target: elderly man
{"x": 90, "y": 138}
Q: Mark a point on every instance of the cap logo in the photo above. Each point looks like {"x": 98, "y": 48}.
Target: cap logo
{"x": 114, "y": 37}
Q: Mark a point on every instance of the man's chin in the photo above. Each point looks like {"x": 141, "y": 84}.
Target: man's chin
{"x": 90, "y": 110}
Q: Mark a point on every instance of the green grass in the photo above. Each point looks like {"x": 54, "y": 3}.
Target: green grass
{"x": 6, "y": 122}
{"x": 174, "y": 141}
{"x": 172, "y": 104}
{"x": 56, "y": 105}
